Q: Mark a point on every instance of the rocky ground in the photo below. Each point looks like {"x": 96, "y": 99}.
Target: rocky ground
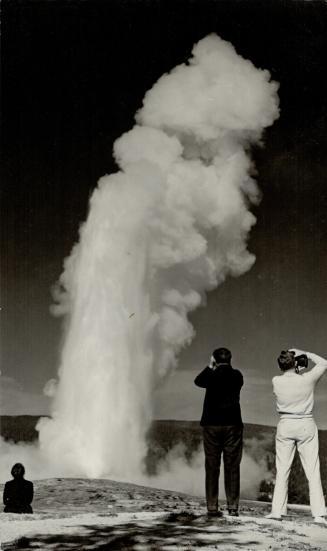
{"x": 78, "y": 514}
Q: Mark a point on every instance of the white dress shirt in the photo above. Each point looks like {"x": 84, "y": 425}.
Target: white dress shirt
{"x": 295, "y": 392}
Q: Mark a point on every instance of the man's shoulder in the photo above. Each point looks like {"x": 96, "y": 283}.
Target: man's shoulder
{"x": 237, "y": 372}
{"x": 11, "y": 482}
{"x": 237, "y": 377}
{"x": 28, "y": 482}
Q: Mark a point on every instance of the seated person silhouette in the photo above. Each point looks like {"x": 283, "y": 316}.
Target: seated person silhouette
{"x": 18, "y": 493}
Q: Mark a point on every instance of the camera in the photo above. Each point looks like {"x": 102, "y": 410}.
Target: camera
{"x": 301, "y": 362}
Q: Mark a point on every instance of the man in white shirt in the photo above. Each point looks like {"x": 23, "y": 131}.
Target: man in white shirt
{"x": 294, "y": 393}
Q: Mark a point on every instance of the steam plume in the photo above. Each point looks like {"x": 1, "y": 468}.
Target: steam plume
{"x": 167, "y": 228}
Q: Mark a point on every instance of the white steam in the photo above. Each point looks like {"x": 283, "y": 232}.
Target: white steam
{"x": 171, "y": 225}
{"x": 177, "y": 473}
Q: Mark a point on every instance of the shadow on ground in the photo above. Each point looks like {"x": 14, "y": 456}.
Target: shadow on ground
{"x": 175, "y": 531}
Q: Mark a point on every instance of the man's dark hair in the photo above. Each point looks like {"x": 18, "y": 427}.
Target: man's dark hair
{"x": 20, "y": 466}
{"x": 286, "y": 360}
{"x": 222, "y": 356}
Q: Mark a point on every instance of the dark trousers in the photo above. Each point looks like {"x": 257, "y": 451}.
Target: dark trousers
{"x": 226, "y": 440}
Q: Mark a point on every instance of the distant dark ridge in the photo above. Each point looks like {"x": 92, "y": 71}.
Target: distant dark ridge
{"x": 21, "y": 428}
{"x": 250, "y": 429}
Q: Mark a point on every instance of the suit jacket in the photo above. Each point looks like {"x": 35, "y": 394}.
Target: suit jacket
{"x": 222, "y": 399}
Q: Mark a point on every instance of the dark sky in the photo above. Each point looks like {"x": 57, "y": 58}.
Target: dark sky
{"x": 73, "y": 75}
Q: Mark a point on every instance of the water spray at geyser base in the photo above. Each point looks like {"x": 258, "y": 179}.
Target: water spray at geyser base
{"x": 171, "y": 225}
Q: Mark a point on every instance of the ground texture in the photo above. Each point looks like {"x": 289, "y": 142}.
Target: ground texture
{"x": 75, "y": 514}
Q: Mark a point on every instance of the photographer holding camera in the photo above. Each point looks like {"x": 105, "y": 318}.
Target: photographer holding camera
{"x": 222, "y": 429}
{"x": 294, "y": 393}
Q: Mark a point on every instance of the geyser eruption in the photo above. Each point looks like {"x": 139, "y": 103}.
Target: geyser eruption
{"x": 171, "y": 225}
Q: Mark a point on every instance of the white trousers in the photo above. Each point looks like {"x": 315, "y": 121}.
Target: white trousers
{"x": 303, "y": 435}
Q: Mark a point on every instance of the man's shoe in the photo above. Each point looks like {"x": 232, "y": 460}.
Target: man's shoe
{"x": 233, "y": 512}
{"x": 273, "y": 516}
{"x": 320, "y": 520}
{"x": 216, "y": 514}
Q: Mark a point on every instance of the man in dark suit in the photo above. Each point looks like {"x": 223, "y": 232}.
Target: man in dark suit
{"x": 222, "y": 429}
{"x": 18, "y": 493}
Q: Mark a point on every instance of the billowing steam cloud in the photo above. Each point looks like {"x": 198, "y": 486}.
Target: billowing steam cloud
{"x": 171, "y": 225}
